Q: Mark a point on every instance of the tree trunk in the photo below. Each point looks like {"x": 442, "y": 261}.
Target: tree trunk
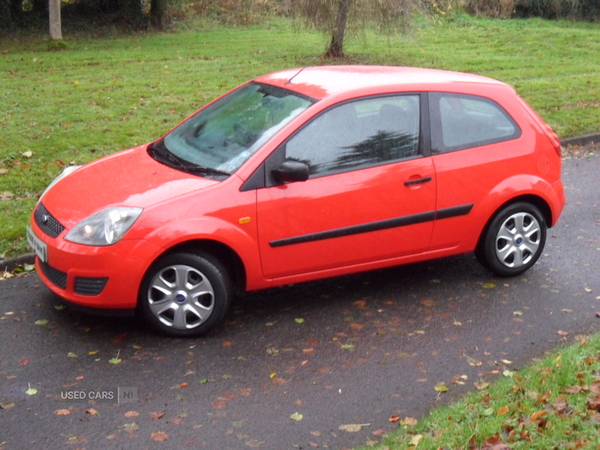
{"x": 55, "y": 22}
{"x": 336, "y": 48}
{"x": 132, "y": 12}
{"x": 157, "y": 12}
{"x": 5, "y": 14}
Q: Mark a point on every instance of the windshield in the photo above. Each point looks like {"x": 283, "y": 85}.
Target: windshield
{"x": 222, "y": 136}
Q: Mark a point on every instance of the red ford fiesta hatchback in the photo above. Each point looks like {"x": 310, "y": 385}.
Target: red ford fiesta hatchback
{"x": 300, "y": 175}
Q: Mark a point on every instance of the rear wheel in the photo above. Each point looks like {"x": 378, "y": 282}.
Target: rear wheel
{"x": 185, "y": 294}
{"x": 514, "y": 240}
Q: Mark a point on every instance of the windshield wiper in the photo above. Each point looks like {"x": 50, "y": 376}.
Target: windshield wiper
{"x": 159, "y": 152}
{"x": 203, "y": 170}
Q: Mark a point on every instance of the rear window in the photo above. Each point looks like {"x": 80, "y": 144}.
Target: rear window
{"x": 466, "y": 121}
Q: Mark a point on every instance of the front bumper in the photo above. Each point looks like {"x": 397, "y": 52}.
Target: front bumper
{"x": 94, "y": 277}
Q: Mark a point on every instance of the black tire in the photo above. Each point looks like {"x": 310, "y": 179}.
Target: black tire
{"x": 513, "y": 240}
{"x": 185, "y": 294}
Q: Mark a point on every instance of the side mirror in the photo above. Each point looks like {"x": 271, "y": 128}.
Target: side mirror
{"x": 290, "y": 171}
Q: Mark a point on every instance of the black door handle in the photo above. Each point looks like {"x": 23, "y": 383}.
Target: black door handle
{"x": 418, "y": 181}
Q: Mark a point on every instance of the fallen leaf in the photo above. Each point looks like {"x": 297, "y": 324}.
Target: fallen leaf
{"x": 131, "y": 414}
{"x": 131, "y": 427}
{"x": 114, "y": 361}
{"x": 488, "y": 285}
{"x": 537, "y": 415}
{"x": 473, "y": 362}
{"x": 416, "y": 440}
{"x": 503, "y": 410}
{"x": 460, "y": 379}
{"x": 27, "y": 154}
{"x": 3, "y": 171}
{"x": 157, "y": 415}
{"x": 394, "y": 419}
{"x": 297, "y": 417}
{"x": 6, "y": 405}
{"x": 299, "y": 320}
{"x": 41, "y": 322}
{"x": 91, "y": 412}
{"x": 71, "y": 355}
{"x": 353, "y": 427}
{"x": 441, "y": 387}
{"x": 518, "y": 313}
{"x": 159, "y": 436}
{"x": 410, "y": 421}
{"x": 62, "y": 412}
{"x": 594, "y": 403}
{"x": 428, "y": 303}
{"x": 481, "y": 385}
{"x": 31, "y": 391}
{"x": 562, "y": 333}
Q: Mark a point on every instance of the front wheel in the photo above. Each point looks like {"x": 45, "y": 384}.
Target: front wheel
{"x": 185, "y": 294}
{"x": 513, "y": 241}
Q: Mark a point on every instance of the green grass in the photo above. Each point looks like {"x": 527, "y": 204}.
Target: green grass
{"x": 554, "y": 404}
{"x": 102, "y": 95}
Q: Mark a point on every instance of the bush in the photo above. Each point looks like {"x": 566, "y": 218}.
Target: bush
{"x": 583, "y": 10}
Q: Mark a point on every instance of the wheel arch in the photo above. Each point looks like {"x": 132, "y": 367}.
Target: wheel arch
{"x": 535, "y": 200}
{"x": 223, "y": 253}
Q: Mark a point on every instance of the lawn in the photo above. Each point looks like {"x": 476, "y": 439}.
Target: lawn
{"x": 554, "y": 404}
{"x": 102, "y": 95}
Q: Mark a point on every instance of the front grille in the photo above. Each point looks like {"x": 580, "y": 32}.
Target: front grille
{"x": 89, "y": 286}
{"x": 47, "y": 223}
{"x": 58, "y": 278}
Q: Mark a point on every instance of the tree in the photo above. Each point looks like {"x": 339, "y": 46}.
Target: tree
{"x": 337, "y": 17}
{"x": 157, "y": 12}
{"x": 5, "y": 14}
{"x": 336, "y": 48}
{"x": 55, "y": 23}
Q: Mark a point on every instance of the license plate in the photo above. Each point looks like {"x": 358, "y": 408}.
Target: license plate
{"x": 39, "y": 247}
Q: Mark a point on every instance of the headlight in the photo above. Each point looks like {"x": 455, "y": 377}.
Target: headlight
{"x": 105, "y": 227}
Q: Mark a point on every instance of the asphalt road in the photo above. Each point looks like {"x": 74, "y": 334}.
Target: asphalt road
{"x": 291, "y": 365}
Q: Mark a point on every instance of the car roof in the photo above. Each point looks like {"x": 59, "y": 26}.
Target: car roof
{"x": 323, "y": 81}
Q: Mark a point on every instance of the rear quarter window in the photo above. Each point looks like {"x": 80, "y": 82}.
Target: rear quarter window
{"x": 461, "y": 121}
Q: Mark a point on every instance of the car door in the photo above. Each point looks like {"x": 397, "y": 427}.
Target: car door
{"x": 369, "y": 196}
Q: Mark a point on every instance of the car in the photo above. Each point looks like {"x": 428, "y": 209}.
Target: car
{"x": 301, "y": 175}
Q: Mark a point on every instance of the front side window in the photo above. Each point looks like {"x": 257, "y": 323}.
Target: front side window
{"x": 221, "y": 137}
{"x": 358, "y": 134}
{"x": 465, "y": 121}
